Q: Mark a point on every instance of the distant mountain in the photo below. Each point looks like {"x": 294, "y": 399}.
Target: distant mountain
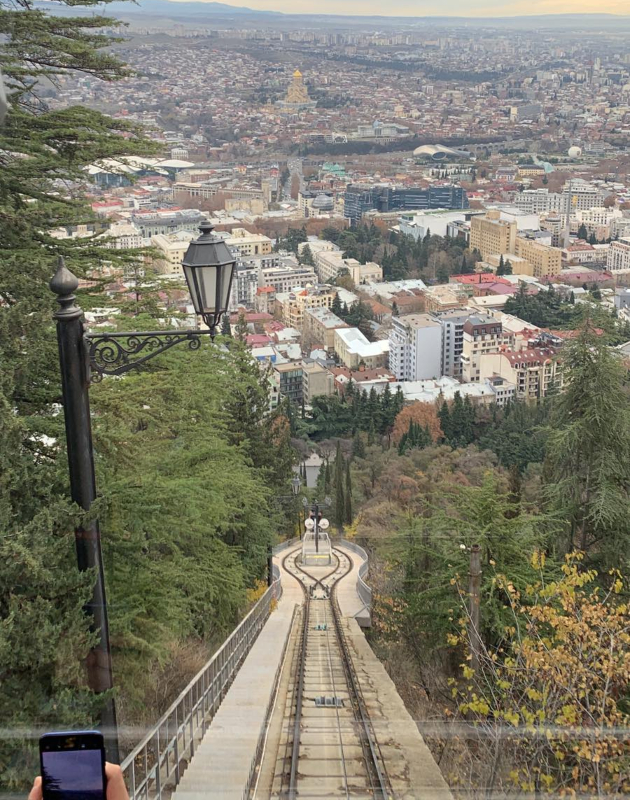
{"x": 198, "y": 9}
{"x": 164, "y": 8}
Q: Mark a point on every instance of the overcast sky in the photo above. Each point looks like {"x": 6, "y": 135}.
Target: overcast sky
{"x": 419, "y": 8}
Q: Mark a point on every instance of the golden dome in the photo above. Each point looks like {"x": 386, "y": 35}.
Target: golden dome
{"x": 297, "y": 74}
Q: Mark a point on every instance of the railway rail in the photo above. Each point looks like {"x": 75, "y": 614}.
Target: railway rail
{"x": 328, "y": 746}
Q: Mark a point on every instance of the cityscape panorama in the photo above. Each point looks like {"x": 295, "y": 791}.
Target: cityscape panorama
{"x": 314, "y": 400}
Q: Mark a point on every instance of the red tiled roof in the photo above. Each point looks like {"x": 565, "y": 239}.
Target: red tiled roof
{"x": 257, "y": 339}
{"x": 479, "y": 277}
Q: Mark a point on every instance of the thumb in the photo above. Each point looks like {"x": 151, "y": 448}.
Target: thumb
{"x": 36, "y": 791}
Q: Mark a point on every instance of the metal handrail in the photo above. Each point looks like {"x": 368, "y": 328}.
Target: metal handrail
{"x": 157, "y": 763}
{"x": 363, "y": 590}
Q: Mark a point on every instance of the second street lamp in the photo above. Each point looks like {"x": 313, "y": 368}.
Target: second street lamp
{"x": 86, "y": 357}
{"x": 209, "y": 269}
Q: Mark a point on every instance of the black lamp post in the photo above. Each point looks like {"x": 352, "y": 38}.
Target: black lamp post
{"x": 85, "y": 358}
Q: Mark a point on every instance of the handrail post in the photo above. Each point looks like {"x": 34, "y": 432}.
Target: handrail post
{"x": 158, "y": 778}
{"x": 176, "y": 743}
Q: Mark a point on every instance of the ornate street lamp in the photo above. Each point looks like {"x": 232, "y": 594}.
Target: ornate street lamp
{"x": 209, "y": 269}
{"x": 86, "y": 358}
{"x": 295, "y": 485}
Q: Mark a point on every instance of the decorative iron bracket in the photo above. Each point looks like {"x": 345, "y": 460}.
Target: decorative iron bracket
{"x": 117, "y": 353}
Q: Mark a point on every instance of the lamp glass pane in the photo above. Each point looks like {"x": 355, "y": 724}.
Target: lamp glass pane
{"x": 194, "y": 296}
{"x": 226, "y": 283}
{"x": 207, "y": 280}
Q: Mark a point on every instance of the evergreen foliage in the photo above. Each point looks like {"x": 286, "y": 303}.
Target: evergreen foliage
{"x": 226, "y": 327}
{"x": 348, "y": 496}
{"x": 306, "y": 256}
{"x": 548, "y": 310}
{"x": 588, "y": 452}
{"x": 186, "y": 455}
{"x": 43, "y": 631}
{"x": 333, "y": 416}
{"x": 335, "y": 306}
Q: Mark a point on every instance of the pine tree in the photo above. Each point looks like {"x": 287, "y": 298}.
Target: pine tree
{"x": 371, "y": 433}
{"x": 399, "y": 402}
{"x": 588, "y": 452}
{"x": 582, "y": 232}
{"x": 395, "y": 311}
{"x": 242, "y": 329}
{"x": 340, "y": 501}
{"x": 226, "y": 328}
{"x": 348, "y": 496}
{"x": 501, "y": 267}
{"x": 358, "y": 447}
{"x": 336, "y": 306}
{"x": 306, "y": 256}
{"x": 444, "y": 415}
{"x": 387, "y": 408}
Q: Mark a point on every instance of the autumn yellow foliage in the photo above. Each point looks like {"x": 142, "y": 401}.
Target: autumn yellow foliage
{"x": 550, "y": 698}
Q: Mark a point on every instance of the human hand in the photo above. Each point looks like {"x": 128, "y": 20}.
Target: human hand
{"x": 116, "y": 789}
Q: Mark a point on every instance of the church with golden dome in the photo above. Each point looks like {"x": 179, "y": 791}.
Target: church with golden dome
{"x": 297, "y": 98}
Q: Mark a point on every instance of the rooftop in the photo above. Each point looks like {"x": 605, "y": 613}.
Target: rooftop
{"x": 417, "y": 321}
{"x": 326, "y": 317}
{"x": 356, "y": 343}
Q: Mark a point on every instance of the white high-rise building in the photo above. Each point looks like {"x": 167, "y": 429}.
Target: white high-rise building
{"x": 619, "y": 256}
{"x": 415, "y": 347}
{"x": 452, "y": 323}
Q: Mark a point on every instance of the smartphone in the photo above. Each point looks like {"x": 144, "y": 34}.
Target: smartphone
{"x": 73, "y": 765}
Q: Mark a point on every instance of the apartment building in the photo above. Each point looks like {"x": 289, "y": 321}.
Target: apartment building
{"x": 520, "y": 266}
{"x": 293, "y": 304}
{"x": 290, "y": 381}
{"x": 539, "y": 201}
{"x": 316, "y": 380}
{"x": 452, "y": 323}
{"x": 534, "y": 372}
{"x": 329, "y": 264}
{"x": 154, "y": 223}
{"x": 286, "y": 276}
{"x": 444, "y": 297}
{"x": 244, "y": 287}
{"x": 482, "y": 334}
{"x": 618, "y": 260}
{"x": 124, "y": 236}
{"x": 172, "y": 249}
{"x": 554, "y": 224}
{"x": 415, "y": 347}
{"x": 576, "y": 195}
{"x": 186, "y": 191}
{"x": 246, "y": 244}
{"x": 491, "y": 234}
{"x": 354, "y": 351}
{"x": 544, "y": 260}
{"x": 318, "y": 329}
{"x": 504, "y": 391}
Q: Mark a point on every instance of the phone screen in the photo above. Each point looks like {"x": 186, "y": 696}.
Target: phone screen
{"x": 73, "y": 775}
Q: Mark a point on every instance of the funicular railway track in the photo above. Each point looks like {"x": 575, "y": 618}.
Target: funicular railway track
{"x": 329, "y": 748}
